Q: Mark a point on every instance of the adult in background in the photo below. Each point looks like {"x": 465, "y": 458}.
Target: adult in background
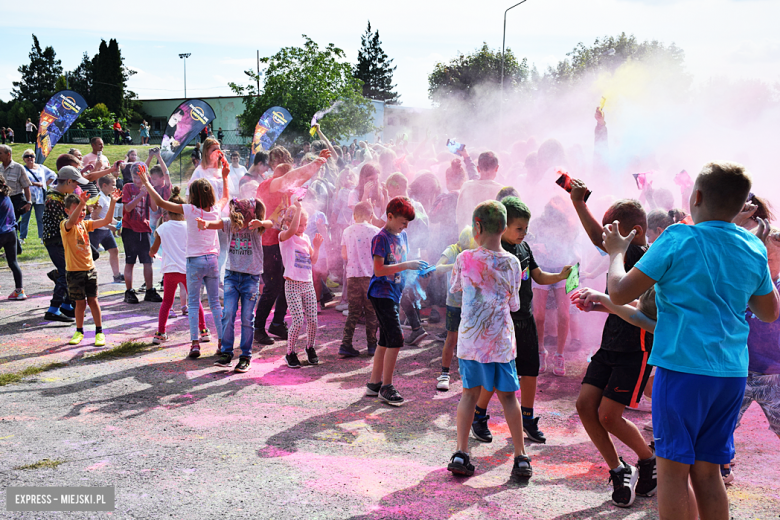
{"x": 220, "y": 135}
{"x": 9, "y": 134}
{"x": 237, "y": 171}
{"x": 29, "y": 130}
{"x": 258, "y": 171}
{"x": 16, "y": 179}
{"x": 117, "y": 132}
{"x": 275, "y": 194}
{"x": 95, "y": 165}
{"x": 40, "y": 178}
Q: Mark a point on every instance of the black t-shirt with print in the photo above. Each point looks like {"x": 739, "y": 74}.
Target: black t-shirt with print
{"x": 527, "y": 264}
{"x": 619, "y": 335}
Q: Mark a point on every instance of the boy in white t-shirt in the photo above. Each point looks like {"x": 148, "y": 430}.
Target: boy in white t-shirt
{"x": 489, "y": 278}
{"x": 104, "y": 236}
{"x": 356, "y": 252}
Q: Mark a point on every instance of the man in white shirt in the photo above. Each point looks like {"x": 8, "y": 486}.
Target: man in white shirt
{"x": 237, "y": 171}
{"x": 478, "y": 191}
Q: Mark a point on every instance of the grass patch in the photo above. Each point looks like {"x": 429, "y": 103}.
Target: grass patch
{"x": 15, "y": 377}
{"x": 124, "y": 349}
{"x": 41, "y": 464}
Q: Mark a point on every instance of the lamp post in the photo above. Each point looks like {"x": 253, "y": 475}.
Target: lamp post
{"x": 186, "y": 55}
{"x": 503, "y": 46}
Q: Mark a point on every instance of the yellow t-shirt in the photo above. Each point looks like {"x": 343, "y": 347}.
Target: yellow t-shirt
{"x": 78, "y": 254}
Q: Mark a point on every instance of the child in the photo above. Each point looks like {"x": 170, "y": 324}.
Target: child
{"x": 136, "y": 233}
{"x": 161, "y": 181}
{"x": 202, "y": 251}
{"x": 103, "y": 236}
{"x": 298, "y": 257}
{"x": 389, "y": 249}
{"x": 342, "y": 217}
{"x": 356, "y": 252}
{"x": 475, "y": 191}
{"x": 81, "y": 274}
{"x": 618, "y": 371}
{"x": 174, "y": 265}
{"x": 489, "y": 278}
{"x": 702, "y": 333}
{"x": 8, "y": 239}
{"x": 242, "y": 277}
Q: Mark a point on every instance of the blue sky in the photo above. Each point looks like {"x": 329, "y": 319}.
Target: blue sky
{"x": 720, "y": 37}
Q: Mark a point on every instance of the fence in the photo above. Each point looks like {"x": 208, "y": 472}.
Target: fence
{"x": 231, "y": 138}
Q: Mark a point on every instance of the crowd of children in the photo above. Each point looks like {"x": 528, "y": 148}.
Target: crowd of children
{"x": 277, "y": 236}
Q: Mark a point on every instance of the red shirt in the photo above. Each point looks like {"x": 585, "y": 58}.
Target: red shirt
{"x": 117, "y": 126}
{"x": 275, "y": 206}
{"x": 138, "y": 219}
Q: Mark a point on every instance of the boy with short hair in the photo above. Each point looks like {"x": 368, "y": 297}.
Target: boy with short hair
{"x": 103, "y": 236}
{"x": 619, "y": 370}
{"x": 705, "y": 276}
{"x": 489, "y": 278}
{"x": 389, "y": 249}
{"x": 81, "y": 274}
{"x": 478, "y": 190}
{"x": 356, "y": 252}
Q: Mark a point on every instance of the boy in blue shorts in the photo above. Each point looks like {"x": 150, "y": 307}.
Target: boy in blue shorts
{"x": 705, "y": 276}
{"x": 489, "y": 278}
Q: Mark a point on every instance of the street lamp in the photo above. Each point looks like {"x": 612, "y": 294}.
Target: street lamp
{"x": 186, "y": 55}
{"x": 503, "y": 45}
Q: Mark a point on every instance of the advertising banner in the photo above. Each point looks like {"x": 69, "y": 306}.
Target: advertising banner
{"x": 184, "y": 125}
{"x": 59, "y": 113}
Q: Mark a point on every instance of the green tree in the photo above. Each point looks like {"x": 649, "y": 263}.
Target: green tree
{"x": 461, "y": 77}
{"x": 375, "y": 70}
{"x": 109, "y": 78}
{"x": 305, "y": 80}
{"x": 81, "y": 79}
{"x": 38, "y": 78}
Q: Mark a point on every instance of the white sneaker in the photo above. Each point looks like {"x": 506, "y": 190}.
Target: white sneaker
{"x": 542, "y": 361}
{"x": 443, "y": 382}
{"x": 645, "y": 405}
{"x": 559, "y": 366}
{"x": 343, "y": 306}
{"x": 345, "y": 313}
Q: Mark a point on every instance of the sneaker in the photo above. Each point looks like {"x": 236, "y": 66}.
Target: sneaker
{"x": 58, "y": 316}
{"x": 76, "y": 339}
{"x": 341, "y": 307}
{"x": 372, "y": 389}
{"x": 223, "y": 360}
{"x": 205, "y": 336}
{"x": 185, "y": 310}
{"x": 18, "y": 294}
{"x": 130, "y": 296}
{"x": 311, "y": 354}
{"x": 542, "y": 361}
{"x": 100, "y": 339}
{"x": 479, "y": 427}
{"x": 278, "y": 330}
{"x": 434, "y": 316}
{"x": 441, "y": 336}
{"x": 143, "y": 287}
{"x": 645, "y": 405}
{"x": 53, "y": 275}
{"x": 727, "y": 474}
{"x": 292, "y": 360}
{"x": 159, "y": 338}
{"x": 532, "y": 431}
{"x": 264, "y": 339}
{"x": 624, "y": 483}
{"x": 118, "y": 278}
{"x": 522, "y": 467}
{"x": 559, "y": 367}
{"x": 390, "y": 395}
{"x": 371, "y": 350}
{"x": 460, "y": 464}
{"x": 243, "y": 365}
{"x": 171, "y": 313}
{"x": 70, "y": 313}
{"x": 348, "y": 351}
{"x": 195, "y": 351}
{"x": 443, "y": 382}
{"x": 326, "y": 299}
{"x": 415, "y": 336}
{"x": 647, "y": 485}
{"x": 152, "y": 296}
{"x": 331, "y": 284}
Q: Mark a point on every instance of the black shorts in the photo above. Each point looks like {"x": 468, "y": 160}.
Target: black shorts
{"x": 136, "y": 246}
{"x": 453, "y": 319}
{"x": 102, "y": 237}
{"x": 390, "y": 334}
{"x": 621, "y": 375}
{"x": 82, "y": 284}
{"x": 527, "y": 361}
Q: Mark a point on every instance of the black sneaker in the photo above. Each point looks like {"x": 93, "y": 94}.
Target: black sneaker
{"x": 130, "y": 296}
{"x": 647, "y": 485}
{"x": 312, "y": 355}
{"x": 372, "y": 389}
{"x": 371, "y": 350}
{"x": 479, "y": 427}
{"x": 51, "y": 316}
{"x": 522, "y": 467}
{"x": 292, "y": 360}
{"x": 460, "y": 464}
{"x": 53, "y": 275}
{"x": 263, "y": 339}
{"x": 390, "y": 395}
{"x": 152, "y": 296}
{"x": 243, "y": 364}
{"x": 223, "y": 360}
{"x": 348, "y": 351}
{"x": 624, "y": 483}
{"x": 415, "y": 336}
{"x": 278, "y": 330}
{"x": 434, "y": 317}
{"x": 70, "y": 313}
{"x": 532, "y": 431}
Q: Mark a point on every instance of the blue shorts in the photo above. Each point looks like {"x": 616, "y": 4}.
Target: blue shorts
{"x": 694, "y": 416}
{"x": 502, "y": 376}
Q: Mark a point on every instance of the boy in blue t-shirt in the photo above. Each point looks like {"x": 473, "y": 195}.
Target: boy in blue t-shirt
{"x": 389, "y": 248}
{"x": 705, "y": 276}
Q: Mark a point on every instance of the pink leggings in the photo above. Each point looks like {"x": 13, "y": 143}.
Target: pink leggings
{"x": 170, "y": 282}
